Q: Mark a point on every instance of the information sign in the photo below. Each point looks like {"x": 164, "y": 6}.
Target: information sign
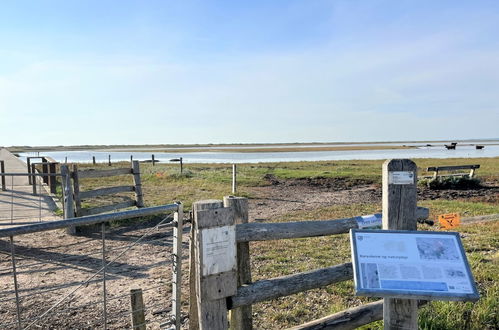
{"x": 449, "y": 220}
{"x": 400, "y": 177}
{"x": 219, "y": 249}
{"x": 372, "y": 221}
{"x": 411, "y": 265}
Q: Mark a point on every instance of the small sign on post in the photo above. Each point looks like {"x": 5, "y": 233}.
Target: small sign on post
{"x": 449, "y": 220}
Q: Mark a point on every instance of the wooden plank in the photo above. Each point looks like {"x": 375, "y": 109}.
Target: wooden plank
{"x": 212, "y": 288}
{"x": 67, "y": 192}
{"x": 351, "y": 318}
{"x": 104, "y": 173}
{"x": 193, "y": 299}
{"x": 271, "y": 231}
{"x": 139, "y": 198}
{"x": 241, "y": 318}
{"x": 2, "y": 170}
{"x": 452, "y": 168}
{"x": 108, "y": 208}
{"x": 399, "y": 206}
{"x": 105, "y": 191}
{"x": 287, "y": 285}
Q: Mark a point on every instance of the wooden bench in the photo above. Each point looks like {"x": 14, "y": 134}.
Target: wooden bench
{"x": 437, "y": 169}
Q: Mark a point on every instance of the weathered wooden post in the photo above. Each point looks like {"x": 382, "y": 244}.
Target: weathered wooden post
{"x": 177, "y": 265}
{"x": 45, "y": 170}
{"x": 137, "y": 306}
{"x": 181, "y": 166}
{"x": 241, "y": 318}
{"x": 152, "y": 159}
{"x": 109, "y": 160}
{"x": 215, "y": 262}
{"x": 28, "y": 164}
{"x": 131, "y": 158}
{"x": 76, "y": 190}
{"x": 68, "y": 197}
{"x": 2, "y": 170}
{"x": 93, "y": 160}
{"x": 399, "y": 213}
{"x": 52, "y": 178}
{"x": 66, "y": 160}
{"x": 139, "y": 198}
{"x": 33, "y": 171}
{"x": 234, "y": 173}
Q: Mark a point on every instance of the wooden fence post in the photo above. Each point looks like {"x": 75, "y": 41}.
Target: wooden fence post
{"x": 137, "y": 306}
{"x": 52, "y": 179}
{"x": 131, "y": 158}
{"x": 93, "y": 160}
{"x": 399, "y": 207}
{"x": 45, "y": 170}
{"x": 2, "y": 170}
{"x": 177, "y": 265}
{"x": 68, "y": 197}
{"x": 28, "y": 164}
{"x": 76, "y": 189}
{"x": 181, "y": 166}
{"x": 215, "y": 262}
{"x": 33, "y": 171}
{"x": 109, "y": 160}
{"x": 241, "y": 318}
{"x": 139, "y": 198}
{"x": 152, "y": 159}
{"x": 234, "y": 182}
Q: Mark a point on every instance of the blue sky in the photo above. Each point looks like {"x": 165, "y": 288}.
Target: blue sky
{"x": 136, "y": 72}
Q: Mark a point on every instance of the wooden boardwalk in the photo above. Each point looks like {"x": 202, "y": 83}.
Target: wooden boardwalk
{"x": 18, "y": 205}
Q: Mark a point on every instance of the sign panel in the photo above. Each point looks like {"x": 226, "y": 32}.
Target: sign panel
{"x": 372, "y": 221}
{"x": 449, "y": 220}
{"x": 400, "y": 177}
{"x": 219, "y": 250}
{"x": 411, "y": 265}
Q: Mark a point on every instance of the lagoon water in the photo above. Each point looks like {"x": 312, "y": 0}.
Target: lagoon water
{"x": 439, "y": 151}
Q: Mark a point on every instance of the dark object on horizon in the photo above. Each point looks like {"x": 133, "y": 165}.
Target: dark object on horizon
{"x": 479, "y": 147}
{"x": 450, "y": 146}
{"x": 453, "y": 143}
{"x": 428, "y": 145}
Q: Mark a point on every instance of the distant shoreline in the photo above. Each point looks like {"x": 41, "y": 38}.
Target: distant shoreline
{"x": 257, "y": 147}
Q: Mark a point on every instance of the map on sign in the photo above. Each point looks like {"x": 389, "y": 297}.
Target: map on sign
{"x": 411, "y": 264}
{"x": 449, "y": 220}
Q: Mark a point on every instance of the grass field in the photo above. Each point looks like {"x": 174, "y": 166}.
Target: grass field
{"x": 163, "y": 184}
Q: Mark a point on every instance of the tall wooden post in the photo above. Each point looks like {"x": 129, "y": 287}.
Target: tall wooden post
{"x": 52, "y": 178}
{"x": 109, "y": 160}
{"x": 215, "y": 262}
{"x": 181, "y": 166}
{"x": 76, "y": 189}
{"x": 138, "y": 185}
{"x": 28, "y": 164}
{"x": 241, "y": 318}
{"x": 68, "y": 197}
{"x": 399, "y": 213}
{"x": 152, "y": 159}
{"x": 45, "y": 170}
{"x": 2, "y": 170}
{"x": 93, "y": 160}
{"x": 33, "y": 171}
{"x": 137, "y": 306}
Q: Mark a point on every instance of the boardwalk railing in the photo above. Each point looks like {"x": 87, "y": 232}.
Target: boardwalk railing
{"x": 220, "y": 265}
{"x": 60, "y": 281}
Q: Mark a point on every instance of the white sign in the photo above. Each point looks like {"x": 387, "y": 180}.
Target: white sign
{"x": 219, "y": 249}
{"x": 370, "y": 221}
{"x": 416, "y": 265}
{"x": 400, "y": 177}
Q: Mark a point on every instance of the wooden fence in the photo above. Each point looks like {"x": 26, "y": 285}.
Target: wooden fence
{"x": 79, "y": 195}
{"x": 220, "y": 275}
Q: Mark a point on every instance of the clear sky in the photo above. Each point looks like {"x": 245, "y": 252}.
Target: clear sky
{"x": 146, "y": 72}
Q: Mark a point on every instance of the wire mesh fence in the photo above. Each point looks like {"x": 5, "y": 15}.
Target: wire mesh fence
{"x": 51, "y": 279}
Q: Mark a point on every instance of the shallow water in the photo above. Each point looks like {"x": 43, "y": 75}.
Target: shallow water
{"x": 260, "y": 157}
